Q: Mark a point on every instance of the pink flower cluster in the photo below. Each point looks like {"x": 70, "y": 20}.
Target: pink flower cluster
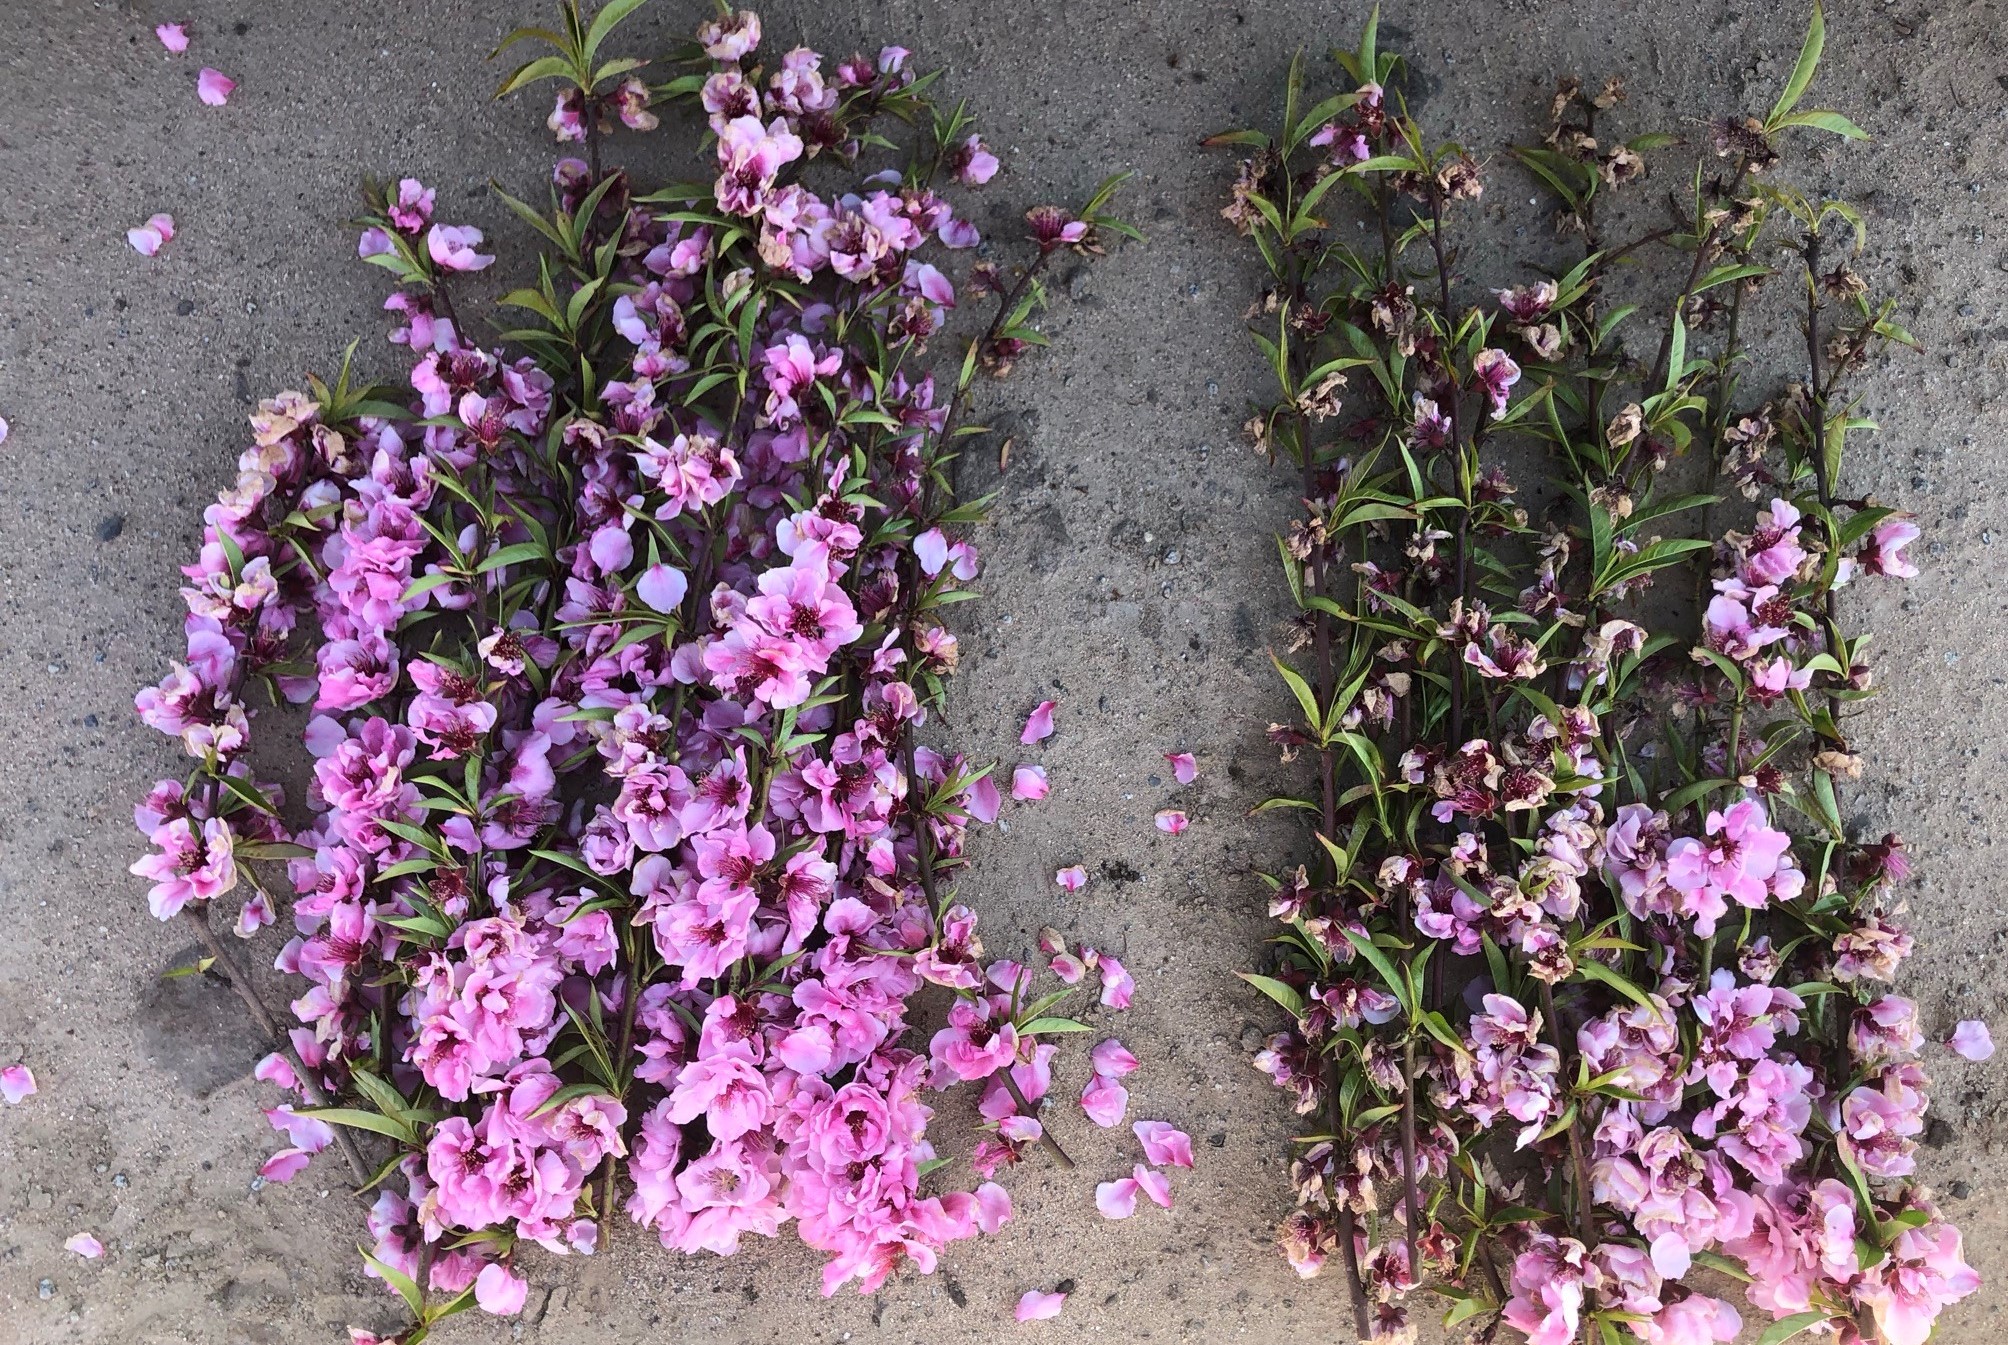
{"x": 623, "y": 860}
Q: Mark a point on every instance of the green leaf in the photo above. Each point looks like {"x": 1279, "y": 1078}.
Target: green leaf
{"x": 1054, "y": 1025}
{"x": 1825, "y": 119}
{"x": 610, "y": 14}
{"x": 511, "y": 555}
{"x": 1781, "y": 1331}
{"x": 544, "y": 67}
{"x": 1302, "y": 691}
{"x": 1284, "y": 995}
{"x": 1802, "y": 73}
{"x": 1597, "y": 971}
{"x": 364, "y": 1120}
{"x": 406, "y": 1287}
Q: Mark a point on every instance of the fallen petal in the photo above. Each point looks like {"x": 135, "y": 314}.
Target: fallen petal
{"x": 1183, "y": 768}
{"x": 1113, "y": 1059}
{"x": 16, "y": 1082}
{"x": 162, "y": 224}
{"x": 500, "y": 1291}
{"x": 1971, "y": 1039}
{"x": 662, "y": 587}
{"x": 1117, "y": 1199}
{"x": 1171, "y": 821}
{"x": 1039, "y": 724}
{"x": 214, "y": 87}
{"x": 1164, "y": 1143}
{"x": 1073, "y": 878}
{"x": 1104, "y": 1100}
{"x": 145, "y": 240}
{"x": 172, "y": 36}
{"x": 1029, "y": 784}
{"x": 276, "y": 1069}
{"x": 84, "y": 1245}
{"x": 1117, "y": 984}
{"x": 1153, "y": 1184}
{"x": 285, "y": 1165}
{"x": 993, "y": 1207}
{"x": 1038, "y": 1307}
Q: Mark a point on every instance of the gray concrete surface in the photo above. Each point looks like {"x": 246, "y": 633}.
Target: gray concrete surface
{"x": 126, "y": 382}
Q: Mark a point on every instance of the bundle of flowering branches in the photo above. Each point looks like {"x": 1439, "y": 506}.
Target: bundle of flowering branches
{"x": 1589, "y": 983}
{"x": 625, "y": 862}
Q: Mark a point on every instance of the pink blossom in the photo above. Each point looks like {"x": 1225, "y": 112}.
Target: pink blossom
{"x": 1171, "y": 821}
{"x": 1495, "y": 373}
{"x": 1884, "y": 551}
{"x": 750, "y": 157}
{"x": 1034, "y": 1306}
{"x": 84, "y": 1245}
{"x": 173, "y": 36}
{"x": 1925, "y": 1271}
{"x": 730, "y": 38}
{"x": 189, "y": 866}
{"x": 453, "y": 247}
{"x": 1117, "y": 1199}
{"x": 1029, "y": 784}
{"x": 1742, "y": 859}
{"x": 1163, "y": 1144}
{"x": 1971, "y": 1040}
{"x": 148, "y": 237}
{"x": 500, "y": 1291}
{"x": 1039, "y": 724}
{"x": 16, "y": 1082}
{"x": 214, "y": 87}
{"x": 1184, "y": 768}
{"x": 1073, "y": 878}
{"x": 974, "y": 1045}
{"x": 971, "y": 163}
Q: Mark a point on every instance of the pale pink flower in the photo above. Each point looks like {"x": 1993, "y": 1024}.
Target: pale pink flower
{"x": 16, "y": 1083}
{"x": 1117, "y": 1199}
{"x": 453, "y": 247}
{"x": 730, "y": 38}
{"x": 1029, "y": 784}
{"x": 214, "y": 87}
{"x": 1164, "y": 1144}
{"x": 1495, "y": 373}
{"x": 1039, "y": 724}
{"x": 84, "y": 1245}
{"x": 1883, "y": 553}
{"x": 1171, "y": 821}
{"x": 172, "y": 36}
{"x": 1971, "y": 1039}
{"x": 1073, "y": 878}
{"x": 1034, "y": 1306}
{"x": 1183, "y": 768}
